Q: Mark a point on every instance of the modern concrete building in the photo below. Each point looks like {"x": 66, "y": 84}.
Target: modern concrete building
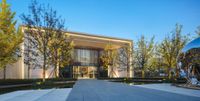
{"x": 86, "y": 59}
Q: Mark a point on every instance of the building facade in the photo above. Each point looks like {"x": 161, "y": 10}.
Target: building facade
{"x": 86, "y": 60}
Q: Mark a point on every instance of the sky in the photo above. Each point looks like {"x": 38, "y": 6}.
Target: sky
{"x": 127, "y": 19}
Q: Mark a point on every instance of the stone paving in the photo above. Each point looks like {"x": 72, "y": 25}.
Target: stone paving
{"x": 37, "y": 95}
{"x": 173, "y": 89}
{"x": 97, "y": 90}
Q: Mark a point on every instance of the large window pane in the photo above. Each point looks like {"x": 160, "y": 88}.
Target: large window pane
{"x": 86, "y": 56}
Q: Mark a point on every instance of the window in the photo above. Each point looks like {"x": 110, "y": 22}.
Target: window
{"x": 86, "y": 57}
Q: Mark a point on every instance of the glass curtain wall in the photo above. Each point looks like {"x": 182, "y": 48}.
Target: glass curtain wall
{"x": 85, "y": 57}
{"x": 85, "y": 63}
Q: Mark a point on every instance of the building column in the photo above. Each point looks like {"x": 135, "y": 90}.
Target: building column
{"x": 131, "y": 72}
{"x": 22, "y": 59}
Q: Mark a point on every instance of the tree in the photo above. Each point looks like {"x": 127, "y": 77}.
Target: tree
{"x": 144, "y": 51}
{"x": 170, "y": 48}
{"x": 61, "y": 48}
{"x": 10, "y": 37}
{"x": 43, "y": 25}
{"x": 30, "y": 53}
{"x": 198, "y": 31}
{"x": 109, "y": 59}
{"x": 154, "y": 64}
{"x": 125, "y": 57}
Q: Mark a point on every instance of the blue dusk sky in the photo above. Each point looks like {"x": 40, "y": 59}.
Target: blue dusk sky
{"x": 122, "y": 18}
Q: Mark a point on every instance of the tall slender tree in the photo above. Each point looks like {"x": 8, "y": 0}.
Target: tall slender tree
{"x": 10, "y": 37}
{"x": 144, "y": 51}
{"x": 170, "y": 48}
{"x": 125, "y": 57}
{"x": 109, "y": 59}
{"x": 61, "y": 48}
{"x": 44, "y": 26}
{"x": 30, "y": 53}
{"x": 154, "y": 64}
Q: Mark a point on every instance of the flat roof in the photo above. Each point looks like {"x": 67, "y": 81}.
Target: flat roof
{"x": 101, "y": 36}
{"x": 92, "y": 35}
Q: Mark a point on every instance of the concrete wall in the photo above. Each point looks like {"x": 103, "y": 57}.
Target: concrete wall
{"x": 13, "y": 71}
{"x": 37, "y": 73}
{"x": 20, "y": 71}
{"x": 118, "y": 72}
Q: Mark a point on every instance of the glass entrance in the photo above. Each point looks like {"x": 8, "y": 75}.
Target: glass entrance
{"x": 84, "y": 72}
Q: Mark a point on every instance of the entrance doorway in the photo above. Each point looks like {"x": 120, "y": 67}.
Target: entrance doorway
{"x": 84, "y": 72}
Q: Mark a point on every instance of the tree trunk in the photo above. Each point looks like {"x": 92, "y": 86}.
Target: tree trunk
{"x": 55, "y": 70}
{"x": 177, "y": 73}
{"x": 128, "y": 71}
{"x": 44, "y": 66}
{"x": 128, "y": 68}
{"x": 110, "y": 71}
{"x": 143, "y": 74}
{"x": 56, "y": 67}
{"x": 168, "y": 72}
{"x": 4, "y": 72}
{"x": 56, "y": 64}
{"x": 28, "y": 56}
{"x": 43, "y": 74}
{"x": 28, "y": 71}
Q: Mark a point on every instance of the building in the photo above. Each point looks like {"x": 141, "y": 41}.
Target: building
{"x": 86, "y": 63}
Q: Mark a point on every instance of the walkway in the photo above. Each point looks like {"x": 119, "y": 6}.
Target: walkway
{"x": 173, "y": 89}
{"x": 37, "y": 95}
{"x": 96, "y": 90}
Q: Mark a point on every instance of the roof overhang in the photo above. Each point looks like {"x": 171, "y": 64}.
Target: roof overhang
{"x": 85, "y": 40}
{"x": 96, "y": 41}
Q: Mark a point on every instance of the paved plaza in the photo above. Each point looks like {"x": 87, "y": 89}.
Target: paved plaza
{"x": 97, "y": 90}
{"x": 37, "y": 95}
{"x": 173, "y": 89}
